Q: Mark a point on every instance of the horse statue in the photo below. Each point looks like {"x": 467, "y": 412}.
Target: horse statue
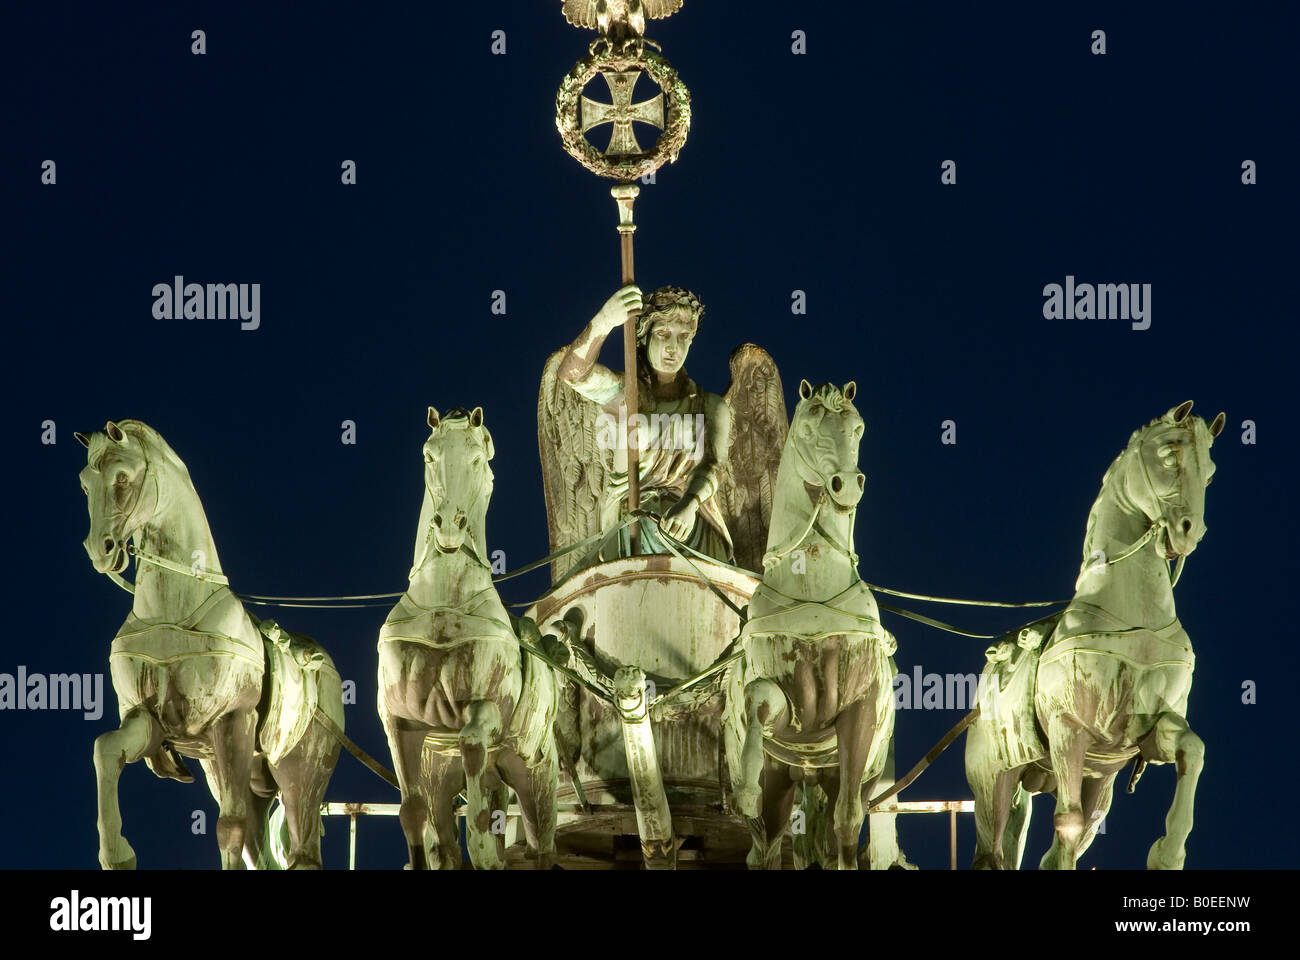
{"x": 463, "y": 706}
{"x": 1071, "y": 700}
{"x": 812, "y": 703}
{"x": 195, "y": 674}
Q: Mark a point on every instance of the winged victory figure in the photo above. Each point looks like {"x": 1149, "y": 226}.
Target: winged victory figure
{"x": 707, "y": 463}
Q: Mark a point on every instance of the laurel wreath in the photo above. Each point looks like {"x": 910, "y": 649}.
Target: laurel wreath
{"x": 677, "y": 113}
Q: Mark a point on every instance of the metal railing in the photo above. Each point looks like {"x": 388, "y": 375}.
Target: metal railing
{"x": 354, "y": 810}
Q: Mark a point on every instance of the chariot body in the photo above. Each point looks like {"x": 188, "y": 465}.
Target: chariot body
{"x": 649, "y": 638}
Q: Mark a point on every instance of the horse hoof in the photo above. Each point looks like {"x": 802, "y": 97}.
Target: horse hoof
{"x": 119, "y": 857}
{"x": 1157, "y": 859}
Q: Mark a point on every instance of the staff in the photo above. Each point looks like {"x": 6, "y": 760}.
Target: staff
{"x": 625, "y": 194}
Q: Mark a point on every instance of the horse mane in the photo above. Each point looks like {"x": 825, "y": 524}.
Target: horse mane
{"x": 1106, "y": 479}
{"x": 156, "y": 448}
{"x": 830, "y": 396}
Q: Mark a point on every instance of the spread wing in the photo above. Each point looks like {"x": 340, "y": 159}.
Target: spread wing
{"x": 748, "y": 476}
{"x": 582, "y": 13}
{"x": 574, "y": 468}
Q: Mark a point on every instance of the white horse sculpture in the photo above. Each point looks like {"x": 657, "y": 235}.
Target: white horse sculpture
{"x": 193, "y": 671}
{"x": 814, "y": 704}
{"x": 463, "y": 706}
{"x": 1110, "y": 684}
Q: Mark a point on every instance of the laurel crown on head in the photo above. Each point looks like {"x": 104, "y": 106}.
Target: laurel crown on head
{"x": 662, "y": 301}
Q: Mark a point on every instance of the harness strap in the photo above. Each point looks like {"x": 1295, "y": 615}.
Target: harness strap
{"x": 370, "y": 762}
{"x": 944, "y": 743}
{"x": 777, "y": 554}
{"x": 672, "y": 544}
{"x": 207, "y": 576}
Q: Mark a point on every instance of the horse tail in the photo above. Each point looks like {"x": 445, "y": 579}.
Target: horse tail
{"x": 273, "y": 852}
{"x": 815, "y": 844}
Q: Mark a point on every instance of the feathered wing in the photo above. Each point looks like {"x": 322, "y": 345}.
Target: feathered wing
{"x": 574, "y": 468}
{"x": 748, "y": 475}
{"x": 582, "y": 13}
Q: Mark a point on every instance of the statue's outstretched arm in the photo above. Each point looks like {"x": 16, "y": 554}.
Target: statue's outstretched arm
{"x": 580, "y": 359}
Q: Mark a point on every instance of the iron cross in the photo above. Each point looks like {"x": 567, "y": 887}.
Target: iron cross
{"x": 622, "y": 112}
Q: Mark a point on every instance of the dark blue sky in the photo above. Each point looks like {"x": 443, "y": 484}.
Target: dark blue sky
{"x": 817, "y": 172}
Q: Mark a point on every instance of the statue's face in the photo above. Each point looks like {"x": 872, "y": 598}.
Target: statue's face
{"x": 669, "y": 342}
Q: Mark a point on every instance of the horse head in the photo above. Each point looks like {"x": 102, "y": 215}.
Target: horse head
{"x": 1165, "y": 474}
{"x": 118, "y": 495}
{"x": 825, "y": 433}
{"x": 457, "y": 477}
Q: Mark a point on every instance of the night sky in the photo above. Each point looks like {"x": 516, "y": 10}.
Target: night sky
{"x": 817, "y": 172}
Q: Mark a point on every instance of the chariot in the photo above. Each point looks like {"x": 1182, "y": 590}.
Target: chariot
{"x": 641, "y": 732}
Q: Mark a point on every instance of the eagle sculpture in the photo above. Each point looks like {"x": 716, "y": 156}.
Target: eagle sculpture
{"x": 618, "y": 20}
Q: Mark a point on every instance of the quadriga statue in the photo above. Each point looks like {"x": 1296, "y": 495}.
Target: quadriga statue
{"x": 1073, "y": 699}
{"x": 195, "y": 674}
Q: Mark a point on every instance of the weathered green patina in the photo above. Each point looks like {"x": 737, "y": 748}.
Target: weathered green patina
{"x": 812, "y": 704}
{"x": 463, "y": 707}
{"x": 1071, "y": 700}
{"x": 195, "y": 674}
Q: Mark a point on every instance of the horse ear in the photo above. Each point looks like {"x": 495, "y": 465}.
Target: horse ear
{"x": 83, "y": 440}
{"x": 1216, "y": 427}
{"x": 1179, "y": 413}
{"x": 805, "y": 389}
{"x": 476, "y": 417}
{"x": 433, "y": 419}
{"x": 114, "y": 432}
{"x": 850, "y": 390}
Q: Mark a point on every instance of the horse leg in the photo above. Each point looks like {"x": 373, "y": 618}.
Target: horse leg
{"x": 853, "y": 733}
{"x": 1097, "y": 794}
{"x": 406, "y": 744}
{"x": 302, "y": 777}
{"x": 767, "y": 830}
{"x": 444, "y": 780}
{"x": 481, "y": 732}
{"x": 1172, "y": 740}
{"x": 262, "y": 792}
{"x": 1068, "y": 742}
{"x": 765, "y": 703}
{"x": 992, "y": 786}
{"x": 231, "y": 765}
{"x": 1016, "y": 827}
{"x": 883, "y": 850}
{"x": 138, "y": 735}
{"x": 991, "y": 810}
{"x": 535, "y": 786}
{"x": 544, "y": 783}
